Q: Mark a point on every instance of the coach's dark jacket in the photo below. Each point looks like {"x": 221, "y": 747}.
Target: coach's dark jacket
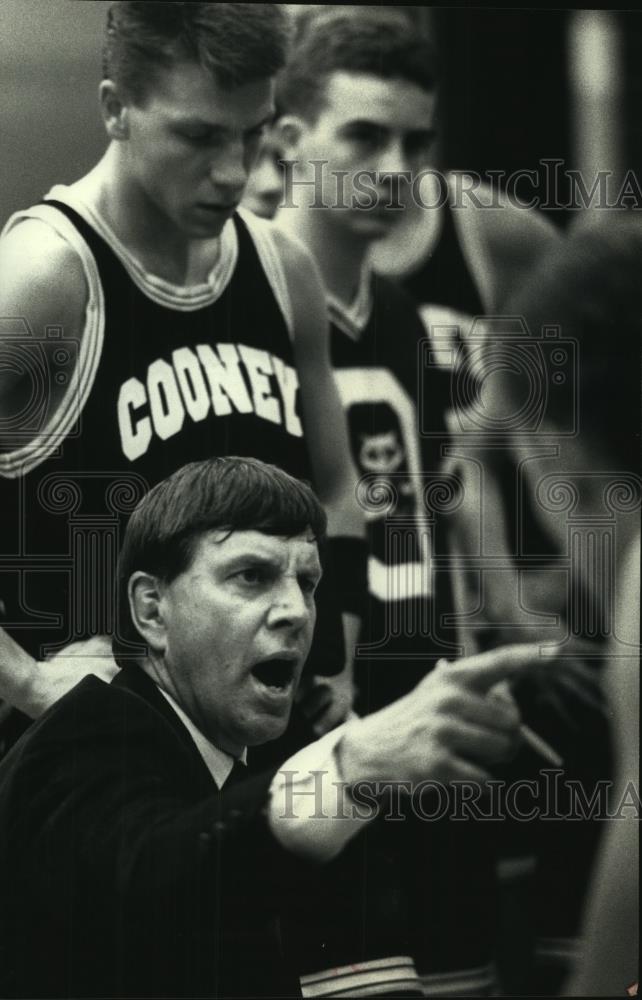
{"x": 124, "y": 872}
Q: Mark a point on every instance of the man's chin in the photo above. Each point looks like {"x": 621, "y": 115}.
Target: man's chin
{"x": 264, "y": 208}
{"x": 268, "y": 724}
{"x": 202, "y": 224}
{"x": 267, "y": 731}
{"x": 374, "y": 224}
{"x": 210, "y": 231}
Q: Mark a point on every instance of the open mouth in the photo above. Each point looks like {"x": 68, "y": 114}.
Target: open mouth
{"x": 276, "y": 674}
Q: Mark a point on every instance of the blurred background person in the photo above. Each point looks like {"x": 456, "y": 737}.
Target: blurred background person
{"x": 588, "y": 499}
{"x": 264, "y": 190}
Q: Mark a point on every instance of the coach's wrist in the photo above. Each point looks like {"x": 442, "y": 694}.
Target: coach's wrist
{"x": 354, "y": 754}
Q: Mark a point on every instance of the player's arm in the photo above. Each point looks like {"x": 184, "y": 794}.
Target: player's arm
{"x": 329, "y": 450}
{"x": 611, "y": 933}
{"x": 325, "y": 423}
{"x": 41, "y": 283}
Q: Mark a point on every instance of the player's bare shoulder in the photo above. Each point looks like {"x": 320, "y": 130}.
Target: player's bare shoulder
{"x": 304, "y": 283}
{"x": 42, "y": 288}
{"x": 297, "y": 260}
{"x": 41, "y": 276}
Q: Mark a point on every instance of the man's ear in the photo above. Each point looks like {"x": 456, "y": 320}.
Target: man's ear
{"x": 288, "y": 131}
{"x": 144, "y": 592}
{"x": 115, "y": 112}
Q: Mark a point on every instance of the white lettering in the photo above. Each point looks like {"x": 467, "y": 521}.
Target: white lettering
{"x": 288, "y": 384}
{"x": 224, "y": 379}
{"x": 168, "y": 413}
{"x": 135, "y": 435}
{"x": 218, "y": 378}
{"x": 258, "y": 367}
{"x": 191, "y": 382}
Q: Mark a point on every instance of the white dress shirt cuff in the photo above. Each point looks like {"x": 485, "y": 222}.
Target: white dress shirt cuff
{"x": 311, "y": 812}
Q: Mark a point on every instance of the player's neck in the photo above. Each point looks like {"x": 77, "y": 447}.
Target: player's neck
{"x": 146, "y": 232}
{"x": 340, "y": 254}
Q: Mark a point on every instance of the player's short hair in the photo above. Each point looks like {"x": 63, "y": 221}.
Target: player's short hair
{"x": 227, "y": 494}
{"x": 590, "y": 288}
{"x": 383, "y": 43}
{"x": 236, "y": 42}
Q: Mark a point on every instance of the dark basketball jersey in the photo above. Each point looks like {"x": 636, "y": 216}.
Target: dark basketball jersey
{"x": 155, "y": 382}
{"x": 395, "y": 402}
{"x": 429, "y": 260}
{"x": 377, "y": 356}
{"x": 443, "y": 276}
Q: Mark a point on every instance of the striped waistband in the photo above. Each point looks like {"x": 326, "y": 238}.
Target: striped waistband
{"x": 398, "y": 975}
{"x": 365, "y": 979}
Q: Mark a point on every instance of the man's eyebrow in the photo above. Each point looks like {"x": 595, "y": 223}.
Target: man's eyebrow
{"x": 250, "y": 558}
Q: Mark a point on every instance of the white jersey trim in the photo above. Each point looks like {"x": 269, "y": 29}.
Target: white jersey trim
{"x": 262, "y": 233}
{"x": 352, "y": 319}
{"x": 180, "y": 298}
{"x": 398, "y": 582}
{"x": 183, "y": 298}
{"x": 404, "y": 580}
{"x": 25, "y": 458}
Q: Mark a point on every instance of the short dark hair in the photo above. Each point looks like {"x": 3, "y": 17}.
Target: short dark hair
{"x": 236, "y": 42}
{"x": 590, "y": 287}
{"x": 383, "y": 43}
{"x": 229, "y": 494}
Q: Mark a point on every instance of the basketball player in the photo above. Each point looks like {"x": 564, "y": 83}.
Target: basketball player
{"x": 358, "y": 97}
{"x": 169, "y": 328}
{"x": 358, "y": 94}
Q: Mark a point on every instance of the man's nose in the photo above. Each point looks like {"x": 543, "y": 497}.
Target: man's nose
{"x": 267, "y": 179}
{"x": 289, "y": 606}
{"x": 229, "y": 170}
{"x": 393, "y": 159}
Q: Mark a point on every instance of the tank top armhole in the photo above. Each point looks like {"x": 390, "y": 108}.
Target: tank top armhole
{"x": 261, "y": 234}
{"x": 60, "y": 423}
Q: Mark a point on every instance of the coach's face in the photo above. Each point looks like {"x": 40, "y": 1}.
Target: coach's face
{"x": 367, "y": 131}
{"x": 237, "y": 628}
{"x": 190, "y": 144}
